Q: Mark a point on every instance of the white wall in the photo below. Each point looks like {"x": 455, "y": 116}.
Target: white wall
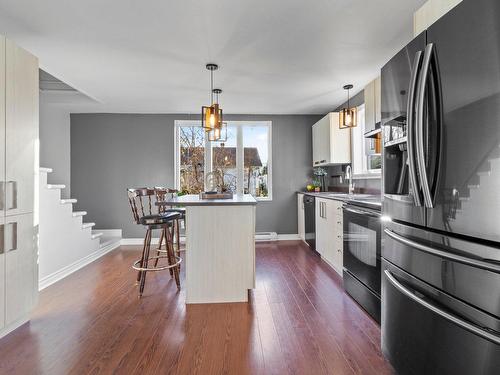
{"x": 55, "y": 142}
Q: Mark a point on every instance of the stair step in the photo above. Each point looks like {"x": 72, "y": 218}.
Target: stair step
{"x": 96, "y": 235}
{"x": 67, "y": 201}
{"x": 45, "y": 170}
{"x": 55, "y": 186}
{"x": 87, "y": 225}
{"x": 484, "y": 173}
{"x": 79, "y": 213}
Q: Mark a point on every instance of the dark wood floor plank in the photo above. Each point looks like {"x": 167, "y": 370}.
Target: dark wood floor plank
{"x": 298, "y": 321}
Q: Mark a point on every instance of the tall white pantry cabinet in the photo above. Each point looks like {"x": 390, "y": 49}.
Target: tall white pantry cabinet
{"x": 19, "y": 92}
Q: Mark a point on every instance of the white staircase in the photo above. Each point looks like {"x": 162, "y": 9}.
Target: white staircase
{"x": 66, "y": 242}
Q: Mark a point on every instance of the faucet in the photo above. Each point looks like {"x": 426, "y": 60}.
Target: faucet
{"x": 348, "y": 176}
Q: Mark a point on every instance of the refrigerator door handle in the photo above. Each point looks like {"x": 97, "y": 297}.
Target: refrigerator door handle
{"x": 444, "y": 254}
{"x": 444, "y": 314}
{"x": 410, "y": 129}
{"x": 422, "y": 170}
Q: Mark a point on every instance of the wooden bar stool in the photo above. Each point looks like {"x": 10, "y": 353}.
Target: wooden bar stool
{"x": 142, "y": 210}
{"x": 162, "y": 195}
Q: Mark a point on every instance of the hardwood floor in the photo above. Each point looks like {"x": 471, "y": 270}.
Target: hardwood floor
{"x": 298, "y": 321}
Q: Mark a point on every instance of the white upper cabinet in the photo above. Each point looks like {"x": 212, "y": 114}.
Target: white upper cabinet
{"x": 331, "y": 145}
{"x": 21, "y": 129}
{"x": 430, "y": 12}
{"x": 372, "y": 104}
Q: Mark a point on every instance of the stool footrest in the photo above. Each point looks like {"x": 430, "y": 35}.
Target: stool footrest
{"x": 136, "y": 267}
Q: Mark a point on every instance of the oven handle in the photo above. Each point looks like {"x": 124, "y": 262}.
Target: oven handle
{"x": 450, "y": 317}
{"x": 361, "y": 212}
{"x": 443, "y": 254}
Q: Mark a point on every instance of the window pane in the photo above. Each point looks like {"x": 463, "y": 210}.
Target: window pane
{"x": 224, "y": 159}
{"x": 192, "y": 159}
{"x": 256, "y": 160}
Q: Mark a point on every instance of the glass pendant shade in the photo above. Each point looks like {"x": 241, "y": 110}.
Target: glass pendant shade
{"x": 218, "y": 134}
{"x": 211, "y": 117}
{"x": 348, "y": 118}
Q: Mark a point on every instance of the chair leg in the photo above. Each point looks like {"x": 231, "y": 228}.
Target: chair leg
{"x": 142, "y": 257}
{"x": 145, "y": 262}
{"x": 178, "y": 235}
{"x": 171, "y": 257}
{"x": 159, "y": 247}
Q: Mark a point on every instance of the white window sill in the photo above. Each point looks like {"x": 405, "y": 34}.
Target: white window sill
{"x": 261, "y": 199}
{"x": 367, "y": 176}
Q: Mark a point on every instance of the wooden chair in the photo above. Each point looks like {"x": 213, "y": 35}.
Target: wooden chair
{"x": 163, "y": 194}
{"x": 141, "y": 203}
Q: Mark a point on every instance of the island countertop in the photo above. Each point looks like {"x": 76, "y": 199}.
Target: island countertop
{"x": 194, "y": 200}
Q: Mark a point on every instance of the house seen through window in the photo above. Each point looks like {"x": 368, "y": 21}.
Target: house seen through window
{"x": 243, "y": 159}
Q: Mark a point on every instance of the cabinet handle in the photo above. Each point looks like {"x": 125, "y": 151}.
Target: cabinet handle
{"x": 339, "y": 222}
{"x": 324, "y": 210}
{"x": 13, "y": 237}
{"x": 2, "y": 238}
{"x": 11, "y": 195}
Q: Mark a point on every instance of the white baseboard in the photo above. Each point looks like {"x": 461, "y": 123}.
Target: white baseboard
{"x": 13, "y": 326}
{"x": 68, "y": 270}
{"x": 289, "y": 237}
{"x": 109, "y": 232}
{"x": 138, "y": 241}
{"x": 259, "y": 237}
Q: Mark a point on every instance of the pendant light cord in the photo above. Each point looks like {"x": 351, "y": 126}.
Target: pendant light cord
{"x": 211, "y": 87}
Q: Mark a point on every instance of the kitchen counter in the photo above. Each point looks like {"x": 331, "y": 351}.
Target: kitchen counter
{"x": 220, "y": 248}
{"x": 367, "y": 200}
{"x": 194, "y": 200}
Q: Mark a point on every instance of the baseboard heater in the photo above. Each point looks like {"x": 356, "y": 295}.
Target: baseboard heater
{"x": 266, "y": 236}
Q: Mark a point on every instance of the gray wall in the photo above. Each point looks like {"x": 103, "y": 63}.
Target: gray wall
{"x": 55, "y": 144}
{"x": 111, "y": 152}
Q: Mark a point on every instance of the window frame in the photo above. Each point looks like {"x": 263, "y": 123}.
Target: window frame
{"x": 365, "y": 172}
{"x": 239, "y": 153}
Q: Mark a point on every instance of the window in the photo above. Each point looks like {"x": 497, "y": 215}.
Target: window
{"x": 366, "y": 162}
{"x": 191, "y": 158}
{"x": 244, "y": 160}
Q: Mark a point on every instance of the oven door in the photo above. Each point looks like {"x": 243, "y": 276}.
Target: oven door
{"x": 362, "y": 242}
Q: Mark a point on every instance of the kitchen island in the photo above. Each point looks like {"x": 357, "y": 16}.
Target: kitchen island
{"x": 220, "y": 248}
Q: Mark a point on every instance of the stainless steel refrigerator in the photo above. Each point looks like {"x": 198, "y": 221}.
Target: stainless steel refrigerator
{"x": 441, "y": 240}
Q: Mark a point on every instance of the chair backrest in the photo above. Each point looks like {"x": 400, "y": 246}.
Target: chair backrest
{"x": 141, "y": 202}
{"x": 163, "y": 194}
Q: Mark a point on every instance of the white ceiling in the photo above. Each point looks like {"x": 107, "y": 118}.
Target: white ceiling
{"x": 275, "y": 56}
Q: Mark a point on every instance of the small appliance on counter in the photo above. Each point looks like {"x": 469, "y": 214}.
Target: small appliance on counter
{"x": 362, "y": 252}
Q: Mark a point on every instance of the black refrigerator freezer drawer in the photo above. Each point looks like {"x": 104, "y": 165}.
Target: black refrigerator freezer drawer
{"x": 466, "y": 270}
{"x": 423, "y": 336}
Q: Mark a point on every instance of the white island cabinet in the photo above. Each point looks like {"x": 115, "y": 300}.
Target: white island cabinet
{"x": 220, "y": 248}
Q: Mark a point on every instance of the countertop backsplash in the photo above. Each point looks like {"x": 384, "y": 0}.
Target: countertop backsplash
{"x": 362, "y": 185}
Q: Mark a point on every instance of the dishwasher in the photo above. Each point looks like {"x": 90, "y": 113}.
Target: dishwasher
{"x": 310, "y": 221}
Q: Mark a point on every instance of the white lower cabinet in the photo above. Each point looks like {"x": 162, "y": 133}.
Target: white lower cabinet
{"x": 329, "y": 228}
{"x": 20, "y": 267}
{"x": 301, "y": 224}
{"x": 2, "y": 277}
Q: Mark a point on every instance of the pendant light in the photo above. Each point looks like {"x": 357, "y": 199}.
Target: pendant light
{"x": 211, "y": 116}
{"x": 348, "y": 116}
{"x": 219, "y": 132}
